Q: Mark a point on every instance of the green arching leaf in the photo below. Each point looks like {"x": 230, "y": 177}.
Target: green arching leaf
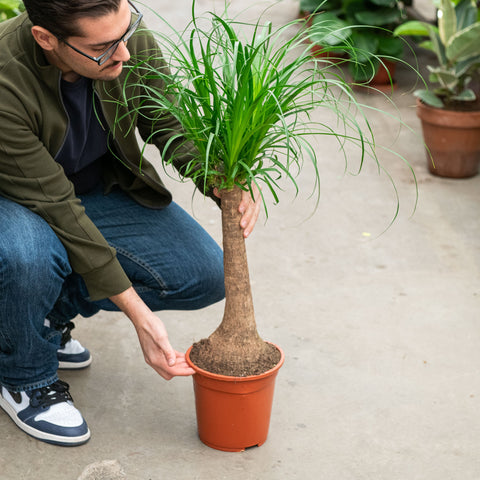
{"x": 428, "y": 97}
{"x": 464, "y": 44}
{"x": 245, "y": 105}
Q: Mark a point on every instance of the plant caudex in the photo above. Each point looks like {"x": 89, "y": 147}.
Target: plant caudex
{"x": 456, "y": 45}
{"x": 245, "y": 107}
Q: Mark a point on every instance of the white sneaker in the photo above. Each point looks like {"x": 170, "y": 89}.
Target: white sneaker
{"x": 47, "y": 414}
{"x": 73, "y": 356}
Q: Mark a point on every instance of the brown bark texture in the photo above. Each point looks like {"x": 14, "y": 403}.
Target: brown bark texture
{"x": 235, "y": 347}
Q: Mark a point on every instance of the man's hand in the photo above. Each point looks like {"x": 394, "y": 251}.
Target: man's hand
{"x": 249, "y": 208}
{"x": 157, "y": 351}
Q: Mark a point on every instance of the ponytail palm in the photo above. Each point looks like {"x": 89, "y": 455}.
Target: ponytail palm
{"x": 245, "y": 106}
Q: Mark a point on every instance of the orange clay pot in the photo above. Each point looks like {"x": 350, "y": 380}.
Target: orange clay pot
{"x": 452, "y": 139}
{"x": 233, "y": 413}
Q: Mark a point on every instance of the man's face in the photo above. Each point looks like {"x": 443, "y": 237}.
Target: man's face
{"x": 97, "y": 35}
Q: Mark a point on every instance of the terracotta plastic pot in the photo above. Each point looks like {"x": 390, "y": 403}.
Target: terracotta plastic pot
{"x": 452, "y": 139}
{"x": 385, "y": 74}
{"x": 233, "y": 413}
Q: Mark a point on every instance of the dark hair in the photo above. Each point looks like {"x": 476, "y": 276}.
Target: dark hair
{"x": 60, "y": 17}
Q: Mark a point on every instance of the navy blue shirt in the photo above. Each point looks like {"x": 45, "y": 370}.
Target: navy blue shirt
{"x": 86, "y": 140}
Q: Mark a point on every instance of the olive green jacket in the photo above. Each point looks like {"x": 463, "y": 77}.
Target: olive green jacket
{"x": 33, "y": 126}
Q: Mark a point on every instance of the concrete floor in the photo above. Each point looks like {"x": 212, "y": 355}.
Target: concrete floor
{"x": 380, "y": 330}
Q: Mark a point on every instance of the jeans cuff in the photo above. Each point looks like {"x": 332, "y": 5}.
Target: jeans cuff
{"x": 29, "y": 386}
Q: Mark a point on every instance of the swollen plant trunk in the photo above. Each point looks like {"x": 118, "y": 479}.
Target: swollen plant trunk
{"x": 235, "y": 348}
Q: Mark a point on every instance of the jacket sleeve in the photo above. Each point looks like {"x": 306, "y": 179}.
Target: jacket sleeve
{"x": 31, "y": 177}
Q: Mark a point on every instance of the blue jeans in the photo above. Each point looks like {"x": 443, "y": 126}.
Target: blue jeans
{"x": 171, "y": 261}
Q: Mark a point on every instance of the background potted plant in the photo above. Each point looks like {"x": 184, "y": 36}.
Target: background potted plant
{"x": 450, "y": 112}
{"x": 366, "y": 25}
{"x": 244, "y": 106}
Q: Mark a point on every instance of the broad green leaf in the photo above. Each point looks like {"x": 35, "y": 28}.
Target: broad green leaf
{"x": 365, "y": 44}
{"x": 364, "y": 72}
{"x": 466, "y": 12}
{"x": 438, "y": 47}
{"x": 467, "y": 95}
{"x": 350, "y": 7}
{"x": 363, "y": 64}
{"x": 390, "y": 46}
{"x": 377, "y": 18}
{"x": 462, "y": 67}
{"x": 464, "y": 44}
{"x": 428, "y": 97}
{"x": 385, "y": 3}
{"x": 447, "y": 21}
{"x": 414, "y": 27}
{"x": 446, "y": 78}
{"x": 311, "y": 5}
{"x": 328, "y": 29}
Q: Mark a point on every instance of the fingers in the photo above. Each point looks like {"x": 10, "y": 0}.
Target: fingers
{"x": 180, "y": 368}
{"x": 250, "y": 210}
{"x": 169, "y": 353}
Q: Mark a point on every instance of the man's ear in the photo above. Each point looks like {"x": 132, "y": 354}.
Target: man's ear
{"x": 44, "y": 38}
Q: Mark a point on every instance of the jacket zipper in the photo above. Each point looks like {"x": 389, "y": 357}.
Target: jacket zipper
{"x": 62, "y": 103}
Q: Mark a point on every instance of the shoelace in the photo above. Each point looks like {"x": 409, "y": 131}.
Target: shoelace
{"x": 66, "y": 336}
{"x": 46, "y": 396}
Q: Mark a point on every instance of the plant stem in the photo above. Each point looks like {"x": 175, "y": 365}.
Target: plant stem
{"x": 235, "y": 346}
{"x": 239, "y": 316}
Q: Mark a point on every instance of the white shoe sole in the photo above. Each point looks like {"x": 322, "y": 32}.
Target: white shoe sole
{"x": 38, "y": 434}
{"x": 74, "y": 365}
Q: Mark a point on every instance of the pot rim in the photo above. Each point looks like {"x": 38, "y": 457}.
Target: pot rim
{"x": 424, "y": 105}
{"x": 231, "y": 378}
{"x": 444, "y": 117}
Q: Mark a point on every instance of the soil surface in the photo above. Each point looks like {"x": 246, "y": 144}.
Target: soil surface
{"x": 458, "y": 106}
{"x": 210, "y": 362}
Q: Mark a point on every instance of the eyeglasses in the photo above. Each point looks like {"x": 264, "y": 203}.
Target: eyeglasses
{"x": 113, "y": 48}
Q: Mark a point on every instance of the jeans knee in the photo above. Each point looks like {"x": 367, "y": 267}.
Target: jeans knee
{"x": 211, "y": 282}
{"x": 31, "y": 255}
{"x": 217, "y": 284}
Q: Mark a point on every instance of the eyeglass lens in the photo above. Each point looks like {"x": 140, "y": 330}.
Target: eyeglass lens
{"x": 112, "y": 49}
